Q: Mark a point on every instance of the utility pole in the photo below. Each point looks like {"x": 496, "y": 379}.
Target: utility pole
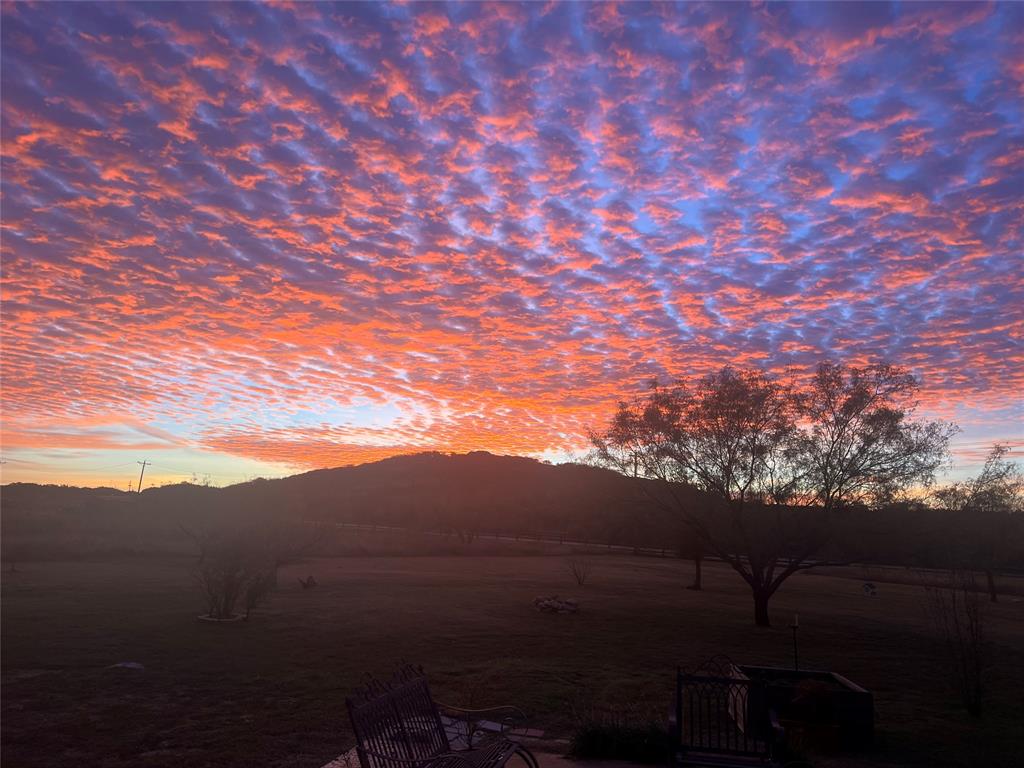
{"x": 143, "y": 465}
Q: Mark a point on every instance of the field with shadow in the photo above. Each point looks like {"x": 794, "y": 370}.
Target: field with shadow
{"x": 270, "y": 692}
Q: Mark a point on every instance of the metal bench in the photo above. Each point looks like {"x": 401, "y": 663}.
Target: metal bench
{"x": 721, "y": 719}
{"x": 398, "y": 724}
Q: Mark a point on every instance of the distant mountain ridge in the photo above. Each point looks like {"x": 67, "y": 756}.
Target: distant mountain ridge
{"x": 472, "y": 494}
{"x": 475, "y": 492}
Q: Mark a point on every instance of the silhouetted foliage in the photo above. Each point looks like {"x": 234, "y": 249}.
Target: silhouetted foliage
{"x": 781, "y": 461}
{"x": 995, "y": 499}
{"x": 623, "y": 730}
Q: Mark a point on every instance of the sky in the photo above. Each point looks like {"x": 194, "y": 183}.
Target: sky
{"x": 246, "y": 240}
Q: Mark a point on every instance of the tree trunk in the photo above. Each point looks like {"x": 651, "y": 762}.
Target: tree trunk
{"x": 698, "y": 559}
{"x": 761, "y": 608}
{"x": 991, "y": 579}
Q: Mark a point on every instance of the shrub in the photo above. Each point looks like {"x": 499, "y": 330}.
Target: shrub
{"x": 626, "y": 729}
{"x": 580, "y": 569}
{"x": 233, "y": 571}
{"x": 238, "y": 567}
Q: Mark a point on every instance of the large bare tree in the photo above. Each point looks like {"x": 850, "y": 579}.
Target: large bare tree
{"x": 778, "y": 461}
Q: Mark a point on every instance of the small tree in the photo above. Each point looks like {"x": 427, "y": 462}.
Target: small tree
{"x": 580, "y": 569}
{"x": 233, "y": 570}
{"x": 238, "y": 568}
{"x": 956, "y": 608}
{"x": 777, "y": 462}
{"x": 993, "y": 499}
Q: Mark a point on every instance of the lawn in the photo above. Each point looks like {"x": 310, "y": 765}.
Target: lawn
{"x": 271, "y": 692}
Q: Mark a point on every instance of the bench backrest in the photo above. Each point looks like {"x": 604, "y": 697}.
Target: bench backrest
{"x": 397, "y": 720}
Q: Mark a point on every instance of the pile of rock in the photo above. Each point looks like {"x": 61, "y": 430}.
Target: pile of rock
{"x": 555, "y": 604}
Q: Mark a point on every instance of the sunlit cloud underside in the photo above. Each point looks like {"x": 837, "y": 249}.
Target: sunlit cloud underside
{"x": 289, "y": 236}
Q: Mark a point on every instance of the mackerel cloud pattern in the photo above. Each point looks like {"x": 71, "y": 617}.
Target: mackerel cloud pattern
{"x": 320, "y": 234}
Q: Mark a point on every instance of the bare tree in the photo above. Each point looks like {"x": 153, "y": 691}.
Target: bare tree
{"x": 956, "y": 608}
{"x": 777, "y": 462}
{"x": 580, "y": 568}
{"x": 234, "y": 569}
{"x": 239, "y": 567}
{"x": 993, "y": 499}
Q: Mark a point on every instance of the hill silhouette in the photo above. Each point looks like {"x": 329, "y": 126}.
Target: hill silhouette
{"x": 470, "y": 494}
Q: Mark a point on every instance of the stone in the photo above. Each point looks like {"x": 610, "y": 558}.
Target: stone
{"x": 555, "y": 604}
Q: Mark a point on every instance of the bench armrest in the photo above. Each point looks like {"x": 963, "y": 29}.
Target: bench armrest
{"x": 504, "y": 712}
{"x": 505, "y": 717}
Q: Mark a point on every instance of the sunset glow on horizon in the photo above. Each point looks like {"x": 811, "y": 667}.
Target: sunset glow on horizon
{"x": 247, "y": 240}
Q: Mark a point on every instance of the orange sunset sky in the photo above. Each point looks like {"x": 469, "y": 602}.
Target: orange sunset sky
{"x": 258, "y": 239}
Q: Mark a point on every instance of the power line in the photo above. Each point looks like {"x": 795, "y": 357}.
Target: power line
{"x": 177, "y": 470}
{"x": 100, "y": 469}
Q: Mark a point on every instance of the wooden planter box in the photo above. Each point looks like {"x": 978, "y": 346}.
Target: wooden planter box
{"x": 819, "y": 708}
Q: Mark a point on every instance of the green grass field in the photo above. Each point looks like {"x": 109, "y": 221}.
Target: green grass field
{"x": 271, "y": 692}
